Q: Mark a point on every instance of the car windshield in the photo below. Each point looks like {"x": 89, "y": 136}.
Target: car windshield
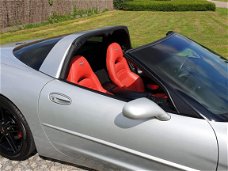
{"x": 192, "y": 68}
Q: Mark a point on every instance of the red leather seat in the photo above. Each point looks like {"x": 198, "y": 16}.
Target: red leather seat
{"x": 82, "y": 74}
{"x": 119, "y": 71}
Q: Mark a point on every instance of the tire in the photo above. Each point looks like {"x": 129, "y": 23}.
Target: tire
{"x": 16, "y": 140}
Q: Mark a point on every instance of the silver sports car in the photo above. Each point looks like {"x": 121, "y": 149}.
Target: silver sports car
{"x": 88, "y": 98}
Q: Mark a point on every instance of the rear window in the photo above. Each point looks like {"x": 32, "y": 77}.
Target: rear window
{"x": 34, "y": 54}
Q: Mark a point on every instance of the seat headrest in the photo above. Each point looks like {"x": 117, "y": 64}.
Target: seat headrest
{"x": 80, "y": 61}
{"x": 79, "y": 69}
{"x": 115, "y": 52}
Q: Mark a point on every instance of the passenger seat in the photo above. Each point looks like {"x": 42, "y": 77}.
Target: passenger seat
{"x": 119, "y": 71}
{"x": 81, "y": 73}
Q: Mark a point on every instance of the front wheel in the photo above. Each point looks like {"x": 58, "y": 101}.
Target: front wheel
{"x": 16, "y": 141}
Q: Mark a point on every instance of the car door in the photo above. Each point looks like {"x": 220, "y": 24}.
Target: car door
{"x": 80, "y": 122}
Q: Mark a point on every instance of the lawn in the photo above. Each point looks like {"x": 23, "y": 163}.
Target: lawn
{"x": 222, "y": 0}
{"x": 167, "y": 5}
{"x": 207, "y": 28}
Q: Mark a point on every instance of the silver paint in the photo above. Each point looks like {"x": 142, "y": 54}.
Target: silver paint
{"x": 181, "y": 140}
{"x": 144, "y": 108}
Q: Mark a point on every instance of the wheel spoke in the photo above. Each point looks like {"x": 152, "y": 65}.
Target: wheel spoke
{"x": 12, "y": 126}
{"x": 7, "y": 123}
{"x": 1, "y": 115}
{"x": 12, "y": 131}
{"x": 10, "y": 118}
{"x": 1, "y": 137}
{"x": 11, "y": 142}
{"x": 11, "y": 136}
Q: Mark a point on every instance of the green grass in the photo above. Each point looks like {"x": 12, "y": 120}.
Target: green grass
{"x": 167, "y": 5}
{"x": 207, "y": 28}
{"x": 55, "y": 18}
{"x": 222, "y": 11}
{"x": 221, "y": 0}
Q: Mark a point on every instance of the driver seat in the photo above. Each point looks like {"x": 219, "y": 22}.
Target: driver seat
{"x": 81, "y": 73}
{"x": 119, "y": 71}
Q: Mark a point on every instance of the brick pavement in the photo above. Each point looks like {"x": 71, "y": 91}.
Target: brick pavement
{"x": 220, "y": 4}
{"x": 35, "y": 163}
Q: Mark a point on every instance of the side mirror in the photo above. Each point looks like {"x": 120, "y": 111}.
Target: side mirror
{"x": 144, "y": 108}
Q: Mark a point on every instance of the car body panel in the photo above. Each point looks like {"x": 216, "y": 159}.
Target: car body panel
{"x": 8, "y": 58}
{"x": 94, "y": 121}
{"x": 57, "y": 56}
{"x": 22, "y": 86}
{"x": 221, "y": 130}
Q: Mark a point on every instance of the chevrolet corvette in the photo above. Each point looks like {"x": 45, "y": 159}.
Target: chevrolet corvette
{"x": 90, "y": 99}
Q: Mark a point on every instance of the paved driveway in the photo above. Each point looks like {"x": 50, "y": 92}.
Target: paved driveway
{"x": 220, "y": 4}
{"x": 35, "y": 163}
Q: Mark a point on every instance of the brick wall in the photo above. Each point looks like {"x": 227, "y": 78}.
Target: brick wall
{"x": 14, "y": 12}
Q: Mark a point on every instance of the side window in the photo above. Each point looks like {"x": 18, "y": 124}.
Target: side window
{"x": 33, "y": 54}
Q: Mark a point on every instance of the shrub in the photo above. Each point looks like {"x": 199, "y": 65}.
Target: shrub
{"x": 77, "y": 13}
{"x": 162, "y": 0}
{"x": 168, "y": 5}
{"x": 56, "y": 18}
{"x": 118, "y": 4}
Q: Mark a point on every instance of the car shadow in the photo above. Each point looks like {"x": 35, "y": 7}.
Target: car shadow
{"x": 66, "y": 163}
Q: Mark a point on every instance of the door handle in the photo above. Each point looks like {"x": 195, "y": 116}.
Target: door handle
{"x": 60, "y": 98}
